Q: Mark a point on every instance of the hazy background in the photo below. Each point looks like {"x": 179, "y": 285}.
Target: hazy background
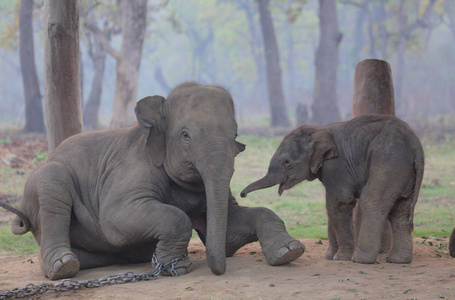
{"x": 212, "y": 42}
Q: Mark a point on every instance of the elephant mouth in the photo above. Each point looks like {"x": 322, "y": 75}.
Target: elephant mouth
{"x": 282, "y": 186}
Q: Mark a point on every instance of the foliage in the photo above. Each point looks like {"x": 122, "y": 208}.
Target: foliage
{"x": 5, "y": 141}
{"x": 39, "y": 156}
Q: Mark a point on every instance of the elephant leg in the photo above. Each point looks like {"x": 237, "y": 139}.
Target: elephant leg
{"x": 249, "y": 224}
{"x": 339, "y": 210}
{"x": 153, "y": 225}
{"x": 56, "y": 192}
{"x": 386, "y": 236}
{"x": 378, "y": 198}
{"x": 333, "y": 243}
{"x": 375, "y": 207}
{"x": 401, "y": 223}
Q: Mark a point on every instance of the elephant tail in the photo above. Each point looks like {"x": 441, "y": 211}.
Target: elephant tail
{"x": 419, "y": 165}
{"x": 21, "y": 224}
{"x": 452, "y": 244}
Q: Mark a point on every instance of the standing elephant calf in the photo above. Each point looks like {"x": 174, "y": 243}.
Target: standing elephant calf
{"x": 116, "y": 196}
{"x": 375, "y": 159}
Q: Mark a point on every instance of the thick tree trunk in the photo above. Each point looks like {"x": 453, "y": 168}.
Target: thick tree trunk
{"x": 373, "y": 88}
{"x": 276, "y": 97}
{"x": 256, "y": 45}
{"x": 325, "y": 106}
{"x": 91, "y": 108}
{"x": 134, "y": 20}
{"x": 405, "y": 31}
{"x": 34, "y": 121}
{"x": 62, "y": 71}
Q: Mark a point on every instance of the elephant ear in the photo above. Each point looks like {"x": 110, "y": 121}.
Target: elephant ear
{"x": 150, "y": 115}
{"x": 240, "y": 147}
{"x": 324, "y": 148}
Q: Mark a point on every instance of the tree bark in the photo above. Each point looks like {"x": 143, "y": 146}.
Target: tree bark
{"x": 373, "y": 88}
{"x": 91, "y": 108}
{"x": 134, "y": 21}
{"x": 405, "y": 31}
{"x": 256, "y": 45}
{"x": 325, "y": 106}
{"x": 34, "y": 120}
{"x": 62, "y": 71}
{"x": 275, "y": 90}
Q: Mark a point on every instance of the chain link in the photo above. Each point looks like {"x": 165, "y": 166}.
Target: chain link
{"x": 73, "y": 285}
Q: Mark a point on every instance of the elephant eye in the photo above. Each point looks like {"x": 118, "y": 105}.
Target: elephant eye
{"x": 286, "y": 163}
{"x": 185, "y": 136}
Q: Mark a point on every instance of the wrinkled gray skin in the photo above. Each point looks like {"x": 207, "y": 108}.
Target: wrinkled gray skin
{"x": 116, "y": 196}
{"x": 375, "y": 160}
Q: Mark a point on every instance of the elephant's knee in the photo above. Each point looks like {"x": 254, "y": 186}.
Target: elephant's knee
{"x": 177, "y": 225}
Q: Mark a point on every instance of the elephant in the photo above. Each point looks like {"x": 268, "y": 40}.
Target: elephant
{"x": 117, "y": 196}
{"x": 452, "y": 244}
{"x": 374, "y": 161}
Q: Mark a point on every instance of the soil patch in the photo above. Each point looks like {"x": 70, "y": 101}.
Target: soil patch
{"x": 431, "y": 275}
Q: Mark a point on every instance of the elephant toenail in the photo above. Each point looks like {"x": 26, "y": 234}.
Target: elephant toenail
{"x": 57, "y": 265}
{"x": 294, "y": 245}
{"x": 282, "y": 251}
{"x": 67, "y": 258}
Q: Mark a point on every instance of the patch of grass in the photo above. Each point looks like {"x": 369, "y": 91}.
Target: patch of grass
{"x": 12, "y": 180}
{"x": 11, "y": 244}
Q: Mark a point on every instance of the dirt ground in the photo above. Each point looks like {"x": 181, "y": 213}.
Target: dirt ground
{"x": 431, "y": 275}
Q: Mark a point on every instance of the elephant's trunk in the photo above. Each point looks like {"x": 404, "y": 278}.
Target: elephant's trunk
{"x": 216, "y": 171}
{"x": 267, "y": 181}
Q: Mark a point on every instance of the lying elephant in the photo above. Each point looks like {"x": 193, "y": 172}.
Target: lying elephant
{"x": 375, "y": 159}
{"x": 116, "y": 196}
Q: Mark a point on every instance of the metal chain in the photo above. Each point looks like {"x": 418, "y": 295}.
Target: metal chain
{"x": 70, "y": 284}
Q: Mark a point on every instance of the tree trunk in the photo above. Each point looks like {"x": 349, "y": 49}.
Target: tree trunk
{"x": 276, "y": 98}
{"x": 373, "y": 88}
{"x": 91, "y": 109}
{"x": 325, "y": 106}
{"x": 383, "y": 30}
{"x": 256, "y": 45}
{"x": 134, "y": 21}
{"x": 401, "y": 48}
{"x": 34, "y": 121}
{"x": 62, "y": 71}
{"x": 359, "y": 35}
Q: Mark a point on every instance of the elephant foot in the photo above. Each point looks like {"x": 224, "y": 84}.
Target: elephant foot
{"x": 290, "y": 251}
{"x": 66, "y": 265}
{"x": 404, "y": 257}
{"x": 330, "y": 253}
{"x": 363, "y": 257}
{"x": 343, "y": 255}
{"x": 182, "y": 267}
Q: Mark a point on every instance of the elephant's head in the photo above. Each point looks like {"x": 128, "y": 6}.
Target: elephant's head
{"x": 192, "y": 135}
{"x": 299, "y": 157}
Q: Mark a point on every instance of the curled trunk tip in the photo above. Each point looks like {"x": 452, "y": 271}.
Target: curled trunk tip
{"x": 265, "y": 182}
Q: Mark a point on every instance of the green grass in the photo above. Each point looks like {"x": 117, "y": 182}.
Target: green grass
{"x": 303, "y": 207}
{"x": 11, "y": 244}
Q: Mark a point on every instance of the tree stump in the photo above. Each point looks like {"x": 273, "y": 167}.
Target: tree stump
{"x": 373, "y": 88}
{"x": 373, "y": 94}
